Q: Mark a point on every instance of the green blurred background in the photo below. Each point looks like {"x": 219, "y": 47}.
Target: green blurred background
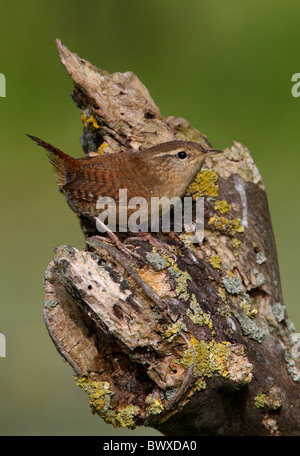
{"x": 224, "y": 66}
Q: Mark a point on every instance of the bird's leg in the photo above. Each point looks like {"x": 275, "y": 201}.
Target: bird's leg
{"x": 146, "y": 236}
{"x": 115, "y": 240}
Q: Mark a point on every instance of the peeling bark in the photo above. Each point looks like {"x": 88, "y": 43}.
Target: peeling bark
{"x": 200, "y": 345}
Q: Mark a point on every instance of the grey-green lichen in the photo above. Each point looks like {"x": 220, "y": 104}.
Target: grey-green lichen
{"x": 99, "y": 394}
{"x": 157, "y": 260}
{"x": 181, "y": 278}
{"x": 260, "y": 279}
{"x": 207, "y": 358}
{"x": 233, "y": 284}
{"x": 197, "y": 315}
{"x": 292, "y": 369}
{"x": 260, "y": 258}
{"x": 279, "y": 311}
{"x": 50, "y": 303}
{"x": 250, "y": 328}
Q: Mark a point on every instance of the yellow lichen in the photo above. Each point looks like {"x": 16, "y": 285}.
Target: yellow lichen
{"x": 124, "y": 417}
{"x": 215, "y": 261}
{"x": 246, "y": 305}
{"x": 171, "y": 331}
{"x": 260, "y": 400}
{"x": 103, "y": 146}
{"x": 204, "y": 184}
{"x": 188, "y": 239}
{"x": 235, "y": 244}
{"x": 270, "y": 400}
{"x": 222, "y": 206}
{"x": 98, "y": 392}
{"x": 226, "y": 226}
{"x": 221, "y": 294}
{"x": 200, "y": 384}
{"x": 155, "y": 407}
{"x": 90, "y": 122}
{"x": 207, "y": 359}
{"x": 100, "y": 401}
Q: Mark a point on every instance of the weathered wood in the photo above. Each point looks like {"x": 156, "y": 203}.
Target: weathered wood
{"x": 200, "y": 345}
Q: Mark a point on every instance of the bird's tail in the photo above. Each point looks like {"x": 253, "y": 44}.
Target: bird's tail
{"x": 64, "y": 165}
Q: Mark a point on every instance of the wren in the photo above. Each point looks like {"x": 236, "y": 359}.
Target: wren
{"x": 166, "y": 170}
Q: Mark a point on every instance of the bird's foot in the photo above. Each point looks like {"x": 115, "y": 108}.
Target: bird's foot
{"x": 113, "y": 238}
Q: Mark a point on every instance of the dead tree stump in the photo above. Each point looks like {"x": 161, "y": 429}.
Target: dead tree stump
{"x": 200, "y": 345}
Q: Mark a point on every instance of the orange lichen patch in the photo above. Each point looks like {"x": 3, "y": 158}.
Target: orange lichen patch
{"x": 227, "y": 226}
{"x": 100, "y": 148}
{"x": 157, "y": 280}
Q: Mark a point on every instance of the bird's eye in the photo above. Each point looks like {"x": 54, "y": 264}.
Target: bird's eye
{"x": 181, "y": 154}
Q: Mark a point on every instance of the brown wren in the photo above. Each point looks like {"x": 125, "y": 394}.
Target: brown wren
{"x": 166, "y": 170}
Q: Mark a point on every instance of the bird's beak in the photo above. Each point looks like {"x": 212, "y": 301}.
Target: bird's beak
{"x": 212, "y": 151}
